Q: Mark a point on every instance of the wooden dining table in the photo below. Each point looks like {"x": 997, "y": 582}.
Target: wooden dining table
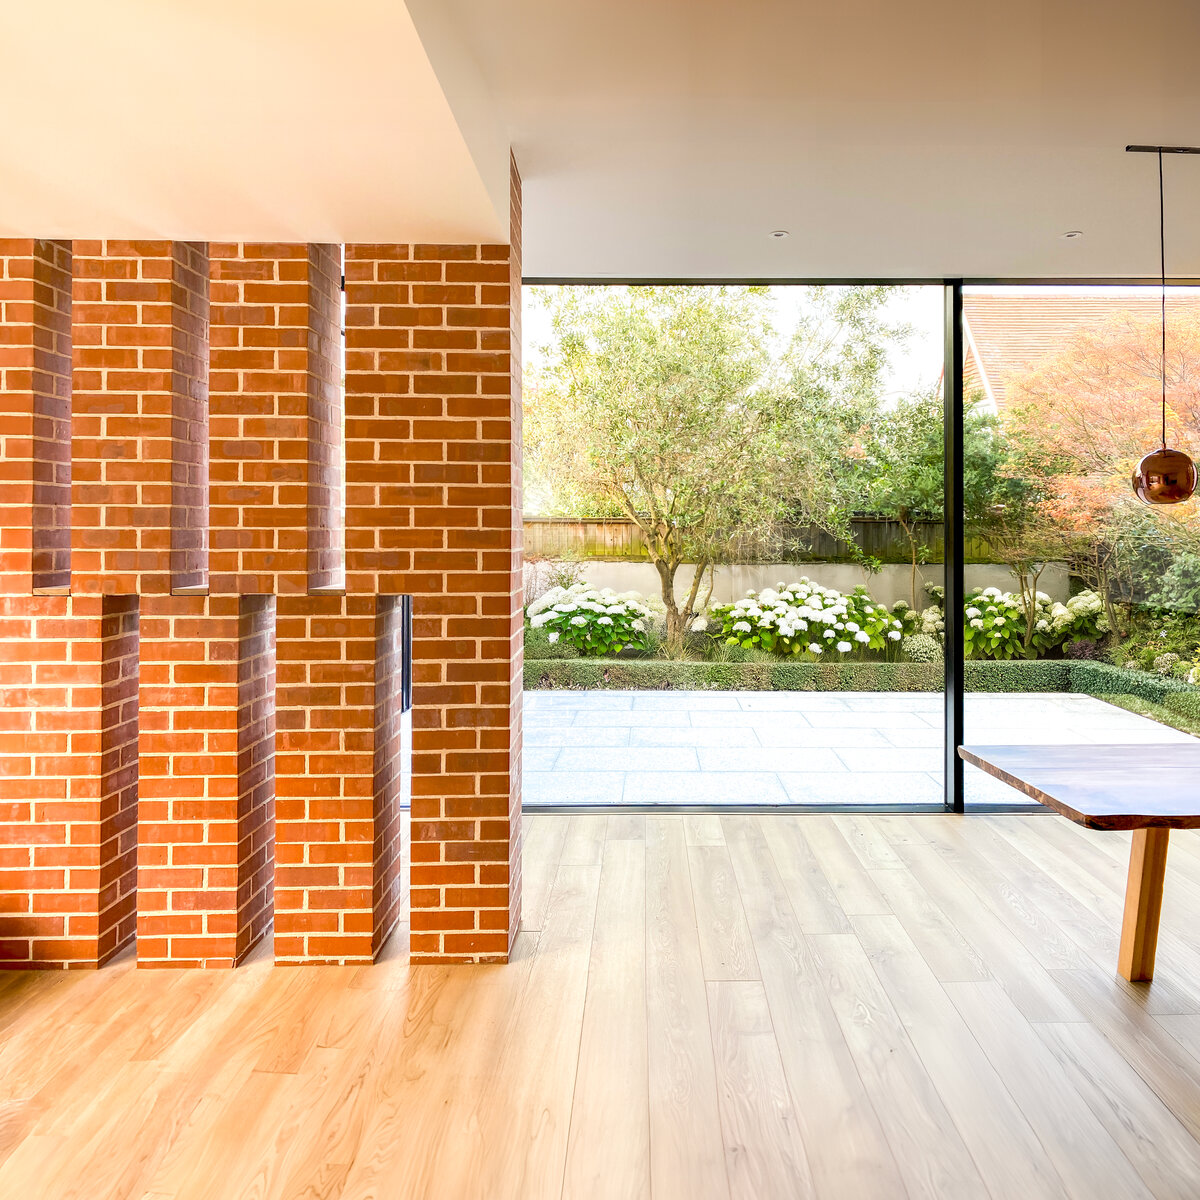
{"x": 1149, "y": 788}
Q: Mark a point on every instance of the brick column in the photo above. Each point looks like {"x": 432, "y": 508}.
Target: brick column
{"x": 338, "y": 880}
{"x": 68, "y": 788}
{"x": 275, "y": 417}
{"x": 206, "y": 739}
{"x": 35, "y": 415}
{"x": 433, "y": 508}
{"x": 139, "y": 417}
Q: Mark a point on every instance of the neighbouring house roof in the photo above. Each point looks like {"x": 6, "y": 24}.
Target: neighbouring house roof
{"x": 1011, "y": 330}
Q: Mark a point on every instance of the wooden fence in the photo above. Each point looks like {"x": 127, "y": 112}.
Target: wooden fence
{"x": 619, "y": 539}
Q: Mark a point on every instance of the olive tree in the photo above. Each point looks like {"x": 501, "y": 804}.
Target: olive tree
{"x": 676, "y": 408}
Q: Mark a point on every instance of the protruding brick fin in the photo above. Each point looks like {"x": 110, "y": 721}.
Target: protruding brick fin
{"x": 119, "y": 771}
{"x": 35, "y": 415}
{"x": 433, "y": 509}
{"x": 189, "y": 416}
{"x": 391, "y": 768}
{"x": 326, "y": 421}
{"x": 138, "y": 417}
{"x": 276, "y": 418}
{"x": 337, "y": 852}
{"x": 204, "y": 836}
{"x": 256, "y": 770}
{"x": 68, "y": 790}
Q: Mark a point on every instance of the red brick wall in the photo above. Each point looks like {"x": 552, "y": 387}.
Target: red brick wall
{"x": 433, "y": 509}
{"x": 139, "y": 408}
{"x": 211, "y": 455}
{"x": 203, "y": 837}
{"x": 335, "y": 851}
{"x": 68, "y": 789}
{"x": 275, "y": 417}
{"x": 35, "y": 415}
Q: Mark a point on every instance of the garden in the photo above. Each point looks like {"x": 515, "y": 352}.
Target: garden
{"x": 732, "y": 445}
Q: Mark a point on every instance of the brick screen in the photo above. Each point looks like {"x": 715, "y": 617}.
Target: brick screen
{"x": 206, "y": 557}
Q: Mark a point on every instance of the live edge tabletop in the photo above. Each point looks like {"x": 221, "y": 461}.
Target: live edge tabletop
{"x": 1150, "y": 788}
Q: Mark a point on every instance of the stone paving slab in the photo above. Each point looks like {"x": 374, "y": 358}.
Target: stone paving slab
{"x": 800, "y": 748}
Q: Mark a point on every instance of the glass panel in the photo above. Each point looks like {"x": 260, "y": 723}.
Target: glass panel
{"x": 1086, "y": 629}
{"x": 763, "y": 467}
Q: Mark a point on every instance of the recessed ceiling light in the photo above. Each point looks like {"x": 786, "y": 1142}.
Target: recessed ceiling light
{"x": 779, "y": 233}
{"x": 1072, "y": 234}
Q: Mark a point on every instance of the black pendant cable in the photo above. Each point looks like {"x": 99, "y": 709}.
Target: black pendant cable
{"x": 1164, "y": 476}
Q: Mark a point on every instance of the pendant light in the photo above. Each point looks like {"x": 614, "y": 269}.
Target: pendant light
{"x": 1164, "y": 476}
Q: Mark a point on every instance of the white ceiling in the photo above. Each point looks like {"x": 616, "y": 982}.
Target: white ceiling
{"x": 657, "y": 138}
{"x": 667, "y": 138}
{"x": 305, "y": 120}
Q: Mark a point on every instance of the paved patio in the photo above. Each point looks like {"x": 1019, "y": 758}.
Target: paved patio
{"x": 645, "y": 748}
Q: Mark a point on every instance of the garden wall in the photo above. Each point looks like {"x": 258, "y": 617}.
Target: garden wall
{"x": 890, "y": 584}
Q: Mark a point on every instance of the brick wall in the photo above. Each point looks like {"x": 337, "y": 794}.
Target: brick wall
{"x": 336, "y": 824}
{"x": 432, "y": 490}
{"x": 68, "y": 789}
{"x": 139, "y": 411}
{"x": 275, "y": 417}
{"x": 207, "y": 734}
{"x": 35, "y": 415}
{"x": 204, "y": 836}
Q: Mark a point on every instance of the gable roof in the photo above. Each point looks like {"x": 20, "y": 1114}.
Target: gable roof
{"x": 1007, "y": 331}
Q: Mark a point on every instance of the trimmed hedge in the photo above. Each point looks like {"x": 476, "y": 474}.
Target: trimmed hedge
{"x": 1098, "y": 679}
{"x": 639, "y": 674}
{"x": 1017, "y": 675}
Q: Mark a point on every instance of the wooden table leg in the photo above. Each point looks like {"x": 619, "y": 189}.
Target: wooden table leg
{"x": 1143, "y": 903}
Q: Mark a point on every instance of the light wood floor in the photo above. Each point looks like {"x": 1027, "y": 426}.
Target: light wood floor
{"x": 711, "y": 1007}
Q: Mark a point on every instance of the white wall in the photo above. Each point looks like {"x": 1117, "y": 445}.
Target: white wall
{"x": 890, "y": 584}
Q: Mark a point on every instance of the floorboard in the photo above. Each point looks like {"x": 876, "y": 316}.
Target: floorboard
{"x": 710, "y": 1007}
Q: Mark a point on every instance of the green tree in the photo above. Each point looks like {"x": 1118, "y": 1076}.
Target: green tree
{"x": 670, "y": 407}
{"x": 904, "y": 457}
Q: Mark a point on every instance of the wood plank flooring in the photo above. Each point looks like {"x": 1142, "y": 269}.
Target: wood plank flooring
{"x": 703, "y": 1008}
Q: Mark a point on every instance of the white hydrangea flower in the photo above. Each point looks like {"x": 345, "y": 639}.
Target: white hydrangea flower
{"x": 977, "y": 623}
{"x": 538, "y": 621}
{"x": 814, "y": 648}
{"x": 604, "y": 620}
{"x": 742, "y": 627}
{"x": 829, "y": 633}
{"x": 700, "y": 624}
{"x": 640, "y": 625}
{"x": 972, "y": 613}
{"x": 553, "y": 637}
{"x": 579, "y": 621}
{"x": 999, "y": 621}
{"x": 894, "y": 634}
{"x": 843, "y": 647}
{"x": 862, "y": 636}
{"x": 851, "y": 627}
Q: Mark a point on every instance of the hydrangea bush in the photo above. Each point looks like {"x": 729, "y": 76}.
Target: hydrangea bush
{"x": 996, "y": 624}
{"x": 595, "y": 621}
{"x": 807, "y": 621}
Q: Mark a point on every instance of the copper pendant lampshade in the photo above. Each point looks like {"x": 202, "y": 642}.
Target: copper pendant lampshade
{"x": 1164, "y": 476}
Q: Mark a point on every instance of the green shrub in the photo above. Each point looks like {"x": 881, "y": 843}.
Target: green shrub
{"x": 539, "y": 645}
{"x": 1017, "y": 675}
{"x": 805, "y": 621}
{"x": 1099, "y": 679}
{"x": 596, "y": 623}
{"x": 921, "y": 648}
